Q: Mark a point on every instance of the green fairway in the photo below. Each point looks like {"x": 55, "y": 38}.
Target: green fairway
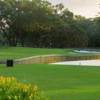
{"x": 21, "y": 52}
{"x": 59, "y": 82}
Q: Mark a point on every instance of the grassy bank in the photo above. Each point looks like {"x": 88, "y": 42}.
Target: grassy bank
{"x": 21, "y": 52}
{"x": 59, "y": 82}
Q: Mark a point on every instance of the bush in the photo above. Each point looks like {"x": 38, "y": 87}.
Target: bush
{"x": 11, "y": 89}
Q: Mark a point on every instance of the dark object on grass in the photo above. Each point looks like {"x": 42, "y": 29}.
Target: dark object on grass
{"x": 9, "y": 63}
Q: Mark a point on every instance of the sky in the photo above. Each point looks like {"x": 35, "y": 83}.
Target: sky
{"x": 87, "y": 8}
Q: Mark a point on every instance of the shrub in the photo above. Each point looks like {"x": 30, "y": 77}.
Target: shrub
{"x": 11, "y": 89}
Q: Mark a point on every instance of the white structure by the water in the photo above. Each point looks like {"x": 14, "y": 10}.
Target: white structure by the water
{"x": 81, "y": 62}
{"x": 86, "y": 51}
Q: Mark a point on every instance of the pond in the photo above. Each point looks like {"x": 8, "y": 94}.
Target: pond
{"x": 80, "y": 62}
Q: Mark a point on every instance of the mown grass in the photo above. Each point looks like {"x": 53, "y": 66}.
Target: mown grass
{"x": 22, "y": 52}
{"x": 59, "y": 82}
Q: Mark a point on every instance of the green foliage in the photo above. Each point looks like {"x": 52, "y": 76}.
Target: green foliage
{"x": 96, "y": 36}
{"x": 37, "y": 23}
{"x": 11, "y": 89}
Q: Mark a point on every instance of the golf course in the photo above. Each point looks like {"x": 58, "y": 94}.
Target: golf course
{"x": 56, "y": 82}
{"x": 49, "y": 49}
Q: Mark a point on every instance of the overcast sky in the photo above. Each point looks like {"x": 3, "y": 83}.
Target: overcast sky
{"x": 87, "y": 8}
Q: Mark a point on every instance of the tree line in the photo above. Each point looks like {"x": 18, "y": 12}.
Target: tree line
{"x": 38, "y": 23}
